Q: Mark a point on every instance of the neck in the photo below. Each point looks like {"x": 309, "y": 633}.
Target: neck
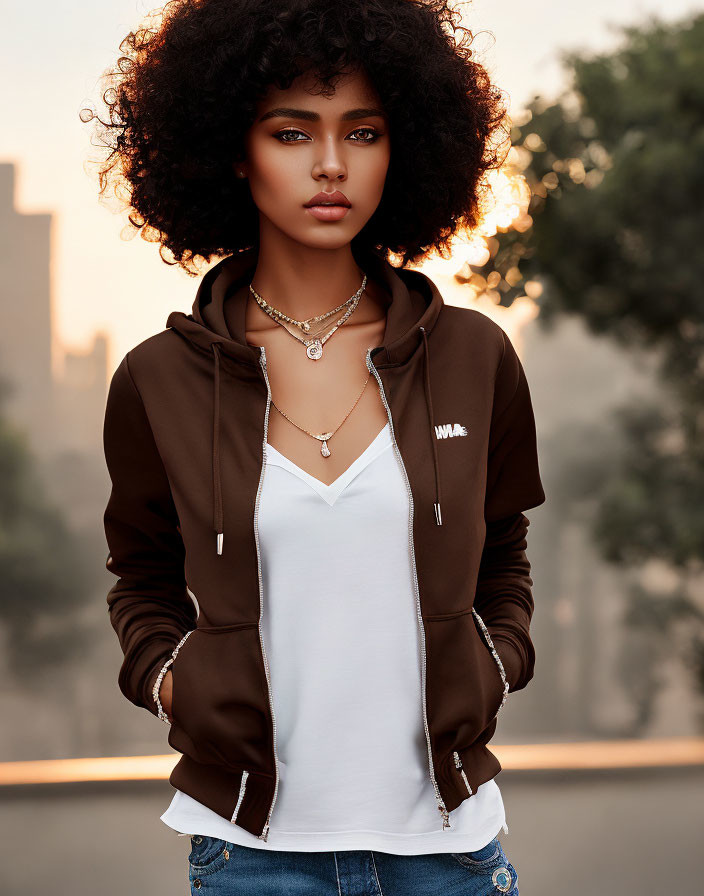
{"x": 302, "y": 281}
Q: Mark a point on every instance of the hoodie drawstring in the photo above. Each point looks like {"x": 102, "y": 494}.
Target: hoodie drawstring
{"x": 429, "y": 405}
{"x": 217, "y": 485}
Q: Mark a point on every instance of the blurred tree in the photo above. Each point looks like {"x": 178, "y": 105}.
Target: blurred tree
{"x": 615, "y": 169}
{"x": 45, "y": 575}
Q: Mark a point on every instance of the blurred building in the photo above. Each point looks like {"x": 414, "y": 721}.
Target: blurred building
{"x": 56, "y": 396}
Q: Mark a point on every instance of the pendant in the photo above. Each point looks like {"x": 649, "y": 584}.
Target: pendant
{"x": 314, "y": 350}
{"x": 324, "y": 450}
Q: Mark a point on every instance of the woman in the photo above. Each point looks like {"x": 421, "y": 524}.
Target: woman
{"x": 319, "y": 475}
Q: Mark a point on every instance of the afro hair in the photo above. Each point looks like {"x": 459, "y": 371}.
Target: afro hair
{"x": 185, "y": 90}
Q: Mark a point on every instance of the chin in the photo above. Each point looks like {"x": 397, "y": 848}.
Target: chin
{"x": 327, "y": 236}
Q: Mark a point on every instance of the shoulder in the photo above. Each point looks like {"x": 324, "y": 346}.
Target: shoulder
{"x": 467, "y": 330}
{"x": 473, "y": 320}
{"x": 149, "y": 370}
{"x": 156, "y": 353}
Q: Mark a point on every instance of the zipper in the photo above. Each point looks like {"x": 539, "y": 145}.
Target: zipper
{"x": 441, "y": 805}
{"x": 243, "y": 785}
{"x": 458, "y": 764}
{"x": 156, "y": 689}
{"x": 262, "y": 361}
{"x": 497, "y": 659}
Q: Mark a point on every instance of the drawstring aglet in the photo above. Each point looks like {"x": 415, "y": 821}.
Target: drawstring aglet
{"x": 438, "y": 514}
{"x": 220, "y": 538}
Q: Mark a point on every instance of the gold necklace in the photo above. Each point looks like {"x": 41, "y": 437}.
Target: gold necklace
{"x": 302, "y": 324}
{"x": 314, "y": 347}
{"x": 324, "y": 437}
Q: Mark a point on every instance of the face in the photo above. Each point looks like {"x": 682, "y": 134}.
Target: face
{"x": 302, "y": 143}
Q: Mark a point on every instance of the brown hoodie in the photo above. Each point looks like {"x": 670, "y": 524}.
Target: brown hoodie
{"x": 185, "y": 428}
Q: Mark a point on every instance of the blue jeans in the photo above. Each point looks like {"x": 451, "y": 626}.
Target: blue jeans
{"x": 227, "y": 869}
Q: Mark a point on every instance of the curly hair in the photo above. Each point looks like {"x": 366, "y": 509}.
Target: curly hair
{"x": 185, "y": 92}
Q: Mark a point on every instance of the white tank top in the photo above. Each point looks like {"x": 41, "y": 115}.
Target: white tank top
{"x": 340, "y": 629}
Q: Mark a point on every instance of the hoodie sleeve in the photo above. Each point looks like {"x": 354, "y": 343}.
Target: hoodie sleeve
{"x": 149, "y": 606}
{"x": 504, "y": 596}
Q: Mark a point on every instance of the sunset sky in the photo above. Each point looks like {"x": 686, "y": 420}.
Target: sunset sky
{"x": 52, "y": 57}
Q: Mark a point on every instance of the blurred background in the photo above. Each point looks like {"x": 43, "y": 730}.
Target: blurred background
{"x": 589, "y": 256}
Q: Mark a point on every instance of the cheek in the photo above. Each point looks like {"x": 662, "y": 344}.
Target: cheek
{"x": 273, "y": 175}
{"x": 273, "y": 172}
{"x": 372, "y": 172}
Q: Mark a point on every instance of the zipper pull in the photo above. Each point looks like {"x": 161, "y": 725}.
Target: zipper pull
{"x": 458, "y": 765}
{"x": 445, "y": 816}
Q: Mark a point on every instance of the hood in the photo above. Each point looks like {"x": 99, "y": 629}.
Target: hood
{"x": 413, "y": 305}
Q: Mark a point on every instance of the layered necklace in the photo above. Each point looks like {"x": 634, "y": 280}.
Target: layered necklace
{"x": 314, "y": 342}
{"x": 314, "y": 339}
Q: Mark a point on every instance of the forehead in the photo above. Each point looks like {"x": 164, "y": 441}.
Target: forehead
{"x": 350, "y": 91}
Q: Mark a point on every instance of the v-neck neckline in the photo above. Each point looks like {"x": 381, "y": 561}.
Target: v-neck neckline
{"x": 330, "y": 493}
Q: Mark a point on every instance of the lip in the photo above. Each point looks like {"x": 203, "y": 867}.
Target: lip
{"x": 339, "y": 199}
{"x": 327, "y": 212}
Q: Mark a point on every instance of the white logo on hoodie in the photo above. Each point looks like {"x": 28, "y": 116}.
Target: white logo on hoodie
{"x": 450, "y": 430}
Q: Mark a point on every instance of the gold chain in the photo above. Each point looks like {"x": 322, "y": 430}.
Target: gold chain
{"x": 325, "y": 436}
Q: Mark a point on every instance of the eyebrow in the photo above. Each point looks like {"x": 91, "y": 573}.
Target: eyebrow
{"x": 308, "y": 115}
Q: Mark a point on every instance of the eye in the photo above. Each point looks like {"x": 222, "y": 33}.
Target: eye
{"x": 282, "y": 136}
{"x": 374, "y": 135}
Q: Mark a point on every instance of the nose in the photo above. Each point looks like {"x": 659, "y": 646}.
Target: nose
{"x": 331, "y": 164}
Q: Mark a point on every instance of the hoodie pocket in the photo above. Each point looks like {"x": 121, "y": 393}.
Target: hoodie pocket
{"x": 219, "y": 705}
{"x": 464, "y": 681}
{"x": 496, "y": 673}
{"x": 499, "y": 674}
